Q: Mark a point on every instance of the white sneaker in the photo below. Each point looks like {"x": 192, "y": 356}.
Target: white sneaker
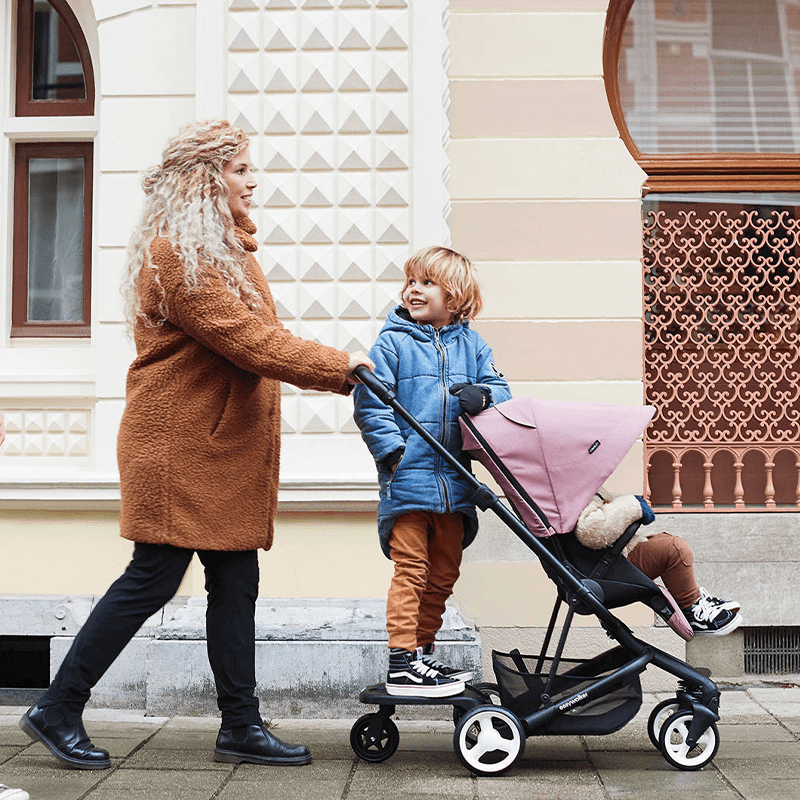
{"x": 708, "y": 619}
{"x": 728, "y": 605}
{"x": 7, "y": 793}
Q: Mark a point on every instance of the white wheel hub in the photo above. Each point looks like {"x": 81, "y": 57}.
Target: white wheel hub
{"x": 489, "y": 740}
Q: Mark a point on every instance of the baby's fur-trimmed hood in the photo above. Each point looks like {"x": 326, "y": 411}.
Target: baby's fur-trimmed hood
{"x": 606, "y": 518}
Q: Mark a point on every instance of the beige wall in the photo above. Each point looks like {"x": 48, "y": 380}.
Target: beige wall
{"x": 545, "y": 200}
{"x": 81, "y": 553}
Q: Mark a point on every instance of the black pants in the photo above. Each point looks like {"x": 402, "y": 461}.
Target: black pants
{"x": 150, "y": 581}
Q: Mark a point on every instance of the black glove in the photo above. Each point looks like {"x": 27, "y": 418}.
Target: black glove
{"x": 472, "y": 399}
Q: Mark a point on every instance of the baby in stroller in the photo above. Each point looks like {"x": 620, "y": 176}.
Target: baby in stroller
{"x": 657, "y": 555}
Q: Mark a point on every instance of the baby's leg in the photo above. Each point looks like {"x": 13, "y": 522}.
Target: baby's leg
{"x": 668, "y": 557}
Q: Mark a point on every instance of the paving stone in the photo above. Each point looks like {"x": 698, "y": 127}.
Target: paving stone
{"x": 739, "y": 703}
{"x": 182, "y": 739}
{"x": 46, "y": 779}
{"x": 9, "y": 750}
{"x": 522, "y": 785}
{"x": 792, "y": 724}
{"x": 617, "y": 760}
{"x": 320, "y": 779}
{"x": 132, "y": 784}
{"x": 13, "y": 736}
{"x": 753, "y": 759}
{"x": 117, "y": 747}
{"x": 763, "y": 787}
{"x": 173, "y": 759}
{"x": 748, "y": 732}
{"x": 647, "y": 783}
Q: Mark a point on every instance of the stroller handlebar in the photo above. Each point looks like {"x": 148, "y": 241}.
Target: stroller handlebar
{"x": 375, "y": 385}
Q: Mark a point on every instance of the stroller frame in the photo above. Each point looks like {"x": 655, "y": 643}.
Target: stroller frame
{"x": 489, "y": 737}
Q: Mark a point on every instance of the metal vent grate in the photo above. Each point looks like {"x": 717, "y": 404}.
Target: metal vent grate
{"x": 772, "y": 651}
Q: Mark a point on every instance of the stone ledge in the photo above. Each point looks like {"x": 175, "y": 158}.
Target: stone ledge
{"x": 313, "y": 658}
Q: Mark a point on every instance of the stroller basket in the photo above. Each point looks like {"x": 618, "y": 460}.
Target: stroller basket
{"x": 523, "y": 681}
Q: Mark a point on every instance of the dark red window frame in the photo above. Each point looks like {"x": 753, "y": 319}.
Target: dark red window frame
{"x": 21, "y": 326}
{"x": 25, "y": 105}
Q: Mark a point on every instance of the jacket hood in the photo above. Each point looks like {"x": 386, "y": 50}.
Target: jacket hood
{"x": 400, "y": 320}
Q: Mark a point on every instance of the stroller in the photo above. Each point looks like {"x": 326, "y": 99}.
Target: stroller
{"x": 550, "y": 458}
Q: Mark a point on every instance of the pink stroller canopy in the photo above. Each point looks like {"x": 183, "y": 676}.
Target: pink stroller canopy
{"x": 555, "y": 454}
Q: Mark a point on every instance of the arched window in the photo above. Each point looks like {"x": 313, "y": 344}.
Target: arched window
{"x": 52, "y": 179}
{"x": 54, "y": 71}
{"x": 705, "y": 95}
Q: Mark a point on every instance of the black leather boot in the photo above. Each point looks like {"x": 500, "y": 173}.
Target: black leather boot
{"x": 67, "y": 741}
{"x": 256, "y": 745}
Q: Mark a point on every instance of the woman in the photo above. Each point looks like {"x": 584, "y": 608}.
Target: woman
{"x": 199, "y": 440}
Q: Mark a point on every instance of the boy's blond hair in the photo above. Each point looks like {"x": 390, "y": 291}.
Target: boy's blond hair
{"x": 454, "y": 273}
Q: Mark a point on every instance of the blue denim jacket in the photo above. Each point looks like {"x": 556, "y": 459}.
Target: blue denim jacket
{"x": 421, "y": 363}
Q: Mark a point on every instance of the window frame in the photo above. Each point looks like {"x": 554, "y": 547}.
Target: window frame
{"x": 21, "y": 326}
{"x": 27, "y": 107}
{"x": 690, "y": 172}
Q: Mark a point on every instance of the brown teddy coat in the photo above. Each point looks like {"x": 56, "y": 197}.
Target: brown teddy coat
{"x": 199, "y": 441}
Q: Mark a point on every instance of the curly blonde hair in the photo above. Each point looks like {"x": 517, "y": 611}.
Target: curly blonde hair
{"x": 454, "y": 273}
{"x": 186, "y": 201}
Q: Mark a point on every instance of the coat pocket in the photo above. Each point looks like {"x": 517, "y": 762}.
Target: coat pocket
{"x": 222, "y": 412}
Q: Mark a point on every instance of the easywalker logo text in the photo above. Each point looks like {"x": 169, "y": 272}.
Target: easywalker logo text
{"x": 575, "y": 700}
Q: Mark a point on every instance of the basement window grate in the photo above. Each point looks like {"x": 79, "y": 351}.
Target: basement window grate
{"x": 772, "y": 650}
{"x": 24, "y": 668}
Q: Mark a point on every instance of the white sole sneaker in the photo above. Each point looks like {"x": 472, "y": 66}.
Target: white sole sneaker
{"x": 410, "y": 690}
{"x": 725, "y": 630}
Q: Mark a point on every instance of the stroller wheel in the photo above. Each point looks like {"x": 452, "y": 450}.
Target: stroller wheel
{"x": 674, "y": 748}
{"x": 378, "y": 745}
{"x": 489, "y": 739}
{"x": 490, "y": 691}
{"x": 658, "y": 716}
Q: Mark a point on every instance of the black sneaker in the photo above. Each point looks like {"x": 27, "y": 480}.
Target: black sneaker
{"x": 430, "y": 660}
{"x": 709, "y": 619}
{"x": 730, "y": 605}
{"x": 409, "y": 675}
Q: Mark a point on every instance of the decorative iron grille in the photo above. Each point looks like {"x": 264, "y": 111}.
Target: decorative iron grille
{"x": 721, "y": 355}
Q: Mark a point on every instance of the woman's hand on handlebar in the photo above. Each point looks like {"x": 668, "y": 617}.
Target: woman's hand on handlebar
{"x": 358, "y": 359}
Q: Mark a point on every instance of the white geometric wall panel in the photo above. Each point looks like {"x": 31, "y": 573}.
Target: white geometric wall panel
{"x": 324, "y": 88}
{"x": 46, "y": 432}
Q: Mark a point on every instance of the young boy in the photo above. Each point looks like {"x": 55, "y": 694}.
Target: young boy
{"x": 426, "y": 353}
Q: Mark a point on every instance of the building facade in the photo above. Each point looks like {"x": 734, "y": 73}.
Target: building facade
{"x": 516, "y": 130}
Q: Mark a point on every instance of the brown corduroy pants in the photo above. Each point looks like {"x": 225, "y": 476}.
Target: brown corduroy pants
{"x": 668, "y": 557}
{"x": 426, "y": 549}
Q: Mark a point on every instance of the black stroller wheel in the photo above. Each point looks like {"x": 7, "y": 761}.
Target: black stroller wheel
{"x": 378, "y": 746}
{"x": 491, "y": 693}
{"x": 674, "y": 748}
{"x": 658, "y": 716}
{"x": 489, "y": 739}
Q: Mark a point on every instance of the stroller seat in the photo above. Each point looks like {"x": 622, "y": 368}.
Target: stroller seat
{"x": 620, "y": 582}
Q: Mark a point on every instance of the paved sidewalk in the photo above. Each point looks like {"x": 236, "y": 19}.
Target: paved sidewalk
{"x": 171, "y": 759}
